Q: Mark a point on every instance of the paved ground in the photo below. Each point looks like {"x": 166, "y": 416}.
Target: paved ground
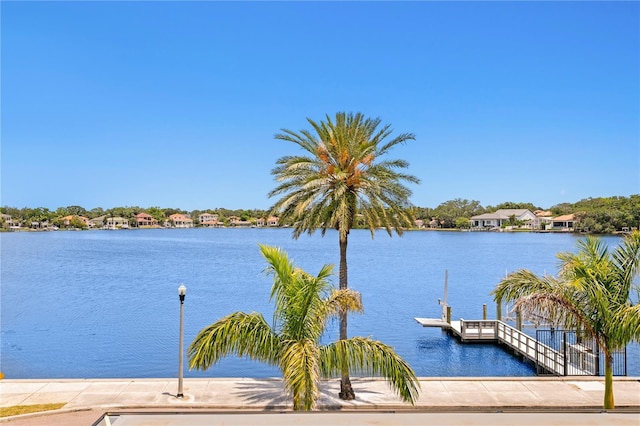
{"x": 531, "y": 400}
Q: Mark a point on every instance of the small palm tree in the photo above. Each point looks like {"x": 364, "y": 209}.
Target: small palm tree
{"x": 303, "y": 305}
{"x": 592, "y": 293}
{"x": 343, "y": 175}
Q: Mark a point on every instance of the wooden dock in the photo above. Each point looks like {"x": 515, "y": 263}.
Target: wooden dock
{"x": 574, "y": 360}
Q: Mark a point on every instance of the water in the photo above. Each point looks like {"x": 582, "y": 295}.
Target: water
{"x": 104, "y": 304}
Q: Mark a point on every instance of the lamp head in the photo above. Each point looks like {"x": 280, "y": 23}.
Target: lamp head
{"x": 182, "y": 290}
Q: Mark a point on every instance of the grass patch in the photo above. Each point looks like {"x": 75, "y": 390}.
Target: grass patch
{"x": 26, "y": 409}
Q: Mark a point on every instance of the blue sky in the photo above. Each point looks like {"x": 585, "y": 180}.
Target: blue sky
{"x": 175, "y": 104}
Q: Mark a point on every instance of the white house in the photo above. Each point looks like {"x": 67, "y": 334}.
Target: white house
{"x": 501, "y": 217}
{"x": 117, "y": 223}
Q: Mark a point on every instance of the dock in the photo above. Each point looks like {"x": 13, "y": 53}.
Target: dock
{"x": 574, "y": 360}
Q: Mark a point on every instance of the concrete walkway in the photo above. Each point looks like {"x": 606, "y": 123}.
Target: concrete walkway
{"x": 530, "y": 394}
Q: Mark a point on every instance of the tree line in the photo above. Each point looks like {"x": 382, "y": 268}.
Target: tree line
{"x": 600, "y": 215}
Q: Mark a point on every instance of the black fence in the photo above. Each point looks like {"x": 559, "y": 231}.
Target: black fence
{"x": 579, "y": 354}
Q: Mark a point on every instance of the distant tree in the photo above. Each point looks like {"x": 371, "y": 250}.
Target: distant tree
{"x": 463, "y": 222}
{"x": 512, "y": 205}
{"x": 561, "y": 209}
{"x": 77, "y": 223}
{"x": 157, "y": 213}
{"x": 95, "y": 212}
{"x": 450, "y": 211}
{"x": 76, "y": 210}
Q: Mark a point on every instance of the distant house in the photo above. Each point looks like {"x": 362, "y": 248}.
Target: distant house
{"x": 273, "y": 221}
{"x": 543, "y": 219}
{"x": 564, "y": 222}
{"x": 179, "y": 220}
{"x": 9, "y": 222}
{"x": 235, "y": 221}
{"x": 66, "y": 221}
{"x": 97, "y": 222}
{"x": 116, "y": 223}
{"x": 418, "y": 223}
{"x": 261, "y": 222}
{"x": 145, "y": 219}
{"x": 209, "y": 220}
{"x": 502, "y": 217}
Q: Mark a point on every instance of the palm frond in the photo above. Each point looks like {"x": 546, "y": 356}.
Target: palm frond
{"x": 370, "y": 357}
{"x": 237, "y": 334}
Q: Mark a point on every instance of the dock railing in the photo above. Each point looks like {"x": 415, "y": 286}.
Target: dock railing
{"x": 543, "y": 356}
{"x": 563, "y": 356}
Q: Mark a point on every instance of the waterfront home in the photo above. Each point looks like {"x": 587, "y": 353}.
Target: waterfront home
{"x": 208, "y": 217}
{"x": 235, "y": 221}
{"x": 418, "y": 223}
{"x": 40, "y": 225}
{"x": 563, "y": 223}
{"x": 261, "y": 222}
{"x": 144, "y": 219}
{"x": 97, "y": 222}
{"x": 209, "y": 220}
{"x": 116, "y": 223}
{"x": 179, "y": 220}
{"x": 273, "y": 221}
{"x": 543, "y": 219}
{"x": 503, "y": 217}
{"x": 66, "y": 221}
{"x": 8, "y": 222}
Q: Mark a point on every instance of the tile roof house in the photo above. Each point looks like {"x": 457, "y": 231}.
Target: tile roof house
{"x": 564, "y": 222}
{"x": 67, "y": 219}
{"x": 145, "y": 219}
{"x": 501, "y": 217}
{"x": 273, "y": 221}
{"x": 237, "y": 222}
{"x": 179, "y": 220}
{"x": 209, "y": 220}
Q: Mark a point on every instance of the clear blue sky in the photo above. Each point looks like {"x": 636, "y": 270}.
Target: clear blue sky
{"x": 175, "y": 104}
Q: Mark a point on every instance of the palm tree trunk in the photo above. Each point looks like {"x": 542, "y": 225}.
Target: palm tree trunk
{"x": 608, "y": 381}
{"x": 346, "y": 391}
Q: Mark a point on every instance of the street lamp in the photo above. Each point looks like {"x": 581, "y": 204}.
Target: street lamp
{"x": 182, "y": 290}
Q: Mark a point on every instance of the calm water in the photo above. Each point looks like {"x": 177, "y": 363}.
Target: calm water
{"x": 104, "y": 303}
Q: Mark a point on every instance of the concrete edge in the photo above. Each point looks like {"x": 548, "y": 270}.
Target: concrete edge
{"x": 47, "y": 413}
{"x": 278, "y": 409}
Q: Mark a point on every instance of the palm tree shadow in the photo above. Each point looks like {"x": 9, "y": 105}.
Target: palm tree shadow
{"x": 269, "y": 394}
{"x": 329, "y": 399}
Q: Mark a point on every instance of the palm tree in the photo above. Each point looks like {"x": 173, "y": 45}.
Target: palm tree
{"x": 303, "y": 305}
{"x": 343, "y": 174}
{"x": 591, "y": 293}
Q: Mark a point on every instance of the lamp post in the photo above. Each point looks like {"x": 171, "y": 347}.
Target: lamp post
{"x": 182, "y": 290}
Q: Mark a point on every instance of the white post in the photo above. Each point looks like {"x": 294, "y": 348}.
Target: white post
{"x": 446, "y": 290}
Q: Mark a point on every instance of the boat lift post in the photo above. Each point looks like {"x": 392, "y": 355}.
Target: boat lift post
{"x": 446, "y": 309}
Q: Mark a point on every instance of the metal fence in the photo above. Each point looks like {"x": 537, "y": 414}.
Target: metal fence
{"x": 579, "y": 354}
